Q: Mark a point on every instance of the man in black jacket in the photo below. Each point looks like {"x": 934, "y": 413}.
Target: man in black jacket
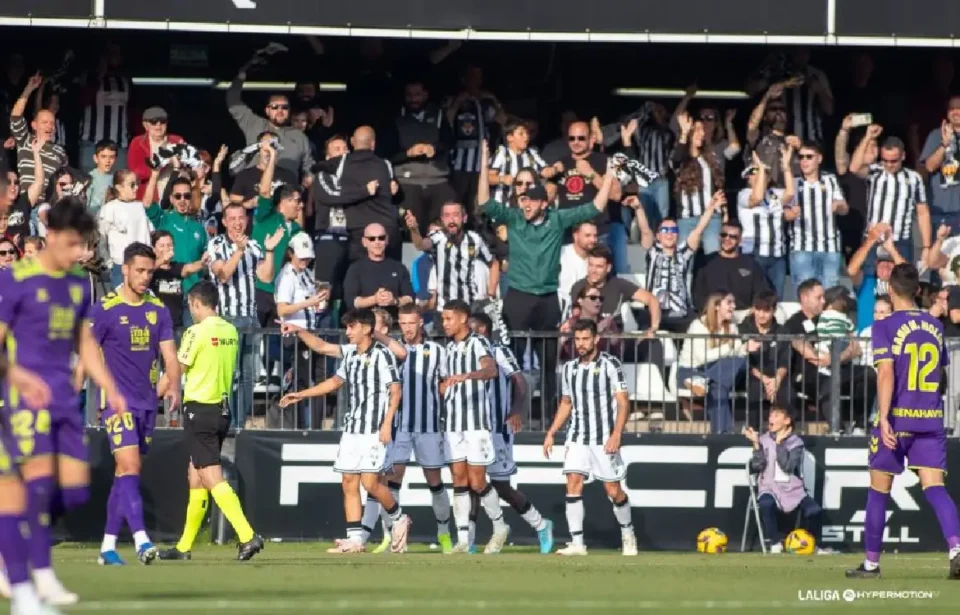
{"x": 362, "y": 184}
{"x": 739, "y": 274}
{"x": 419, "y": 147}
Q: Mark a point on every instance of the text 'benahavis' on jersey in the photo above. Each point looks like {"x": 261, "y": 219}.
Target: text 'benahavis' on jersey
{"x": 130, "y": 335}
{"x": 592, "y": 389}
{"x": 368, "y": 376}
{"x": 913, "y": 341}
{"x": 467, "y": 403}
{"x": 43, "y": 312}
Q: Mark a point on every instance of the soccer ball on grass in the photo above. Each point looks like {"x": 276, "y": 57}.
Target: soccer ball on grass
{"x": 800, "y": 542}
{"x": 712, "y": 540}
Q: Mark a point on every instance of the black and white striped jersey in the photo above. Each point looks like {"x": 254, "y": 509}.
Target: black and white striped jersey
{"x": 422, "y": 371}
{"x": 762, "y": 225}
{"x": 501, "y": 387}
{"x": 893, "y": 198}
{"x": 693, "y": 203}
{"x": 474, "y": 121}
{"x": 816, "y": 229}
{"x": 667, "y": 277}
{"x": 456, "y": 264}
{"x": 106, "y": 115}
{"x": 368, "y": 376}
{"x": 508, "y": 162}
{"x": 467, "y": 403}
{"x": 592, "y": 390}
{"x": 804, "y": 109}
{"x": 238, "y": 294}
{"x": 654, "y": 144}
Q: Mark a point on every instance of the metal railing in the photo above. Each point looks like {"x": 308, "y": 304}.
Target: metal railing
{"x": 667, "y": 393}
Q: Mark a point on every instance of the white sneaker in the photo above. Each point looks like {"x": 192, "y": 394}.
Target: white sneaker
{"x": 696, "y": 385}
{"x": 461, "y": 547}
{"x": 497, "y": 541}
{"x": 33, "y": 609}
{"x": 776, "y": 548}
{"x": 572, "y": 549}
{"x": 401, "y": 529}
{"x": 629, "y": 544}
{"x": 343, "y": 546}
{"x": 825, "y": 551}
{"x": 53, "y": 593}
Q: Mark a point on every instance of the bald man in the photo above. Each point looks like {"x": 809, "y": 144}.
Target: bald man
{"x": 42, "y": 127}
{"x": 365, "y": 190}
{"x": 377, "y": 280}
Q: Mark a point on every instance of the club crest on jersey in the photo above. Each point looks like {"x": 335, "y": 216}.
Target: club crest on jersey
{"x": 42, "y": 295}
{"x": 471, "y": 251}
{"x": 76, "y": 294}
{"x": 151, "y": 317}
{"x": 117, "y": 439}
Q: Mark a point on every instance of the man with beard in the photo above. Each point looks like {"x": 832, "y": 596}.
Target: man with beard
{"x": 457, "y": 254}
{"x": 246, "y": 185}
{"x": 766, "y": 133}
{"x": 420, "y": 155}
{"x": 740, "y": 274}
{"x": 44, "y": 125}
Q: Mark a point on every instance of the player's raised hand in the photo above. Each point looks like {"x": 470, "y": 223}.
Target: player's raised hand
{"x": 547, "y": 445}
{"x": 515, "y": 422}
{"x": 287, "y": 328}
{"x": 290, "y": 398}
{"x": 31, "y": 387}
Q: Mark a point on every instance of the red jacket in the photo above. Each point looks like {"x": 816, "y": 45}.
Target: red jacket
{"x": 137, "y": 154}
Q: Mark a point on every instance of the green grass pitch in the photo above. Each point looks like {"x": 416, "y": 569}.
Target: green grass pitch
{"x": 302, "y": 578}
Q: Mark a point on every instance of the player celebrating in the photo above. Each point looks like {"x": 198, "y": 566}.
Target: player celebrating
{"x": 14, "y": 546}
{"x": 910, "y": 357}
{"x": 46, "y": 301}
{"x": 467, "y": 441}
{"x": 507, "y": 397}
{"x": 134, "y": 328}
{"x": 595, "y": 393}
{"x": 373, "y": 389}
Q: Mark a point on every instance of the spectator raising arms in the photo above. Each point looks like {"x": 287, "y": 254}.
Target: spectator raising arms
{"x": 43, "y": 126}
{"x": 698, "y": 181}
{"x": 145, "y": 146}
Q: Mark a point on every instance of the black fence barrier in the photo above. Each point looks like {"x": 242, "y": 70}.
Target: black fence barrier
{"x": 677, "y": 485}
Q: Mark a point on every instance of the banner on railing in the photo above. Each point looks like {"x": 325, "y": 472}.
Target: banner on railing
{"x": 677, "y": 485}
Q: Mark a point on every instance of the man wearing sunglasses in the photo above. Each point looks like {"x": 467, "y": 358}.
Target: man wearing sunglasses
{"x": 376, "y": 280}
{"x": 732, "y": 272}
{"x": 295, "y": 155}
{"x": 143, "y": 147}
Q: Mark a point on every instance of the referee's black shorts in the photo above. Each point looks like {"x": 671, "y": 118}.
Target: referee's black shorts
{"x": 205, "y": 428}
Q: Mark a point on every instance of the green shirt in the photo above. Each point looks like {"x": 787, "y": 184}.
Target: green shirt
{"x": 535, "y": 248}
{"x": 208, "y": 352}
{"x": 189, "y": 238}
{"x": 265, "y": 223}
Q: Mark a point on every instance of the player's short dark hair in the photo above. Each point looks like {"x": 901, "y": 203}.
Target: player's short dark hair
{"x": 70, "y": 214}
{"x": 410, "y": 308}
{"x": 904, "y": 280}
{"x": 601, "y": 252}
{"x": 893, "y": 143}
{"x": 765, "y": 300}
{"x": 205, "y": 293}
{"x": 808, "y": 285}
{"x": 457, "y": 305}
{"x": 158, "y": 235}
{"x": 585, "y": 325}
{"x": 136, "y": 249}
{"x": 360, "y": 317}
{"x": 483, "y": 319}
{"x": 106, "y": 144}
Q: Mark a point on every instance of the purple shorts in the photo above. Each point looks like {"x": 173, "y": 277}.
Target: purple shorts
{"x": 57, "y": 430}
{"x": 132, "y": 428}
{"x": 921, "y": 450}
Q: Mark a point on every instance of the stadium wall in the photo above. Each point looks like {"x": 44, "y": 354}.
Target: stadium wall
{"x": 677, "y": 485}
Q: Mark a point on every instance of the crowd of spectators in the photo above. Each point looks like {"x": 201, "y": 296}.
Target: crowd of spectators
{"x": 310, "y": 219}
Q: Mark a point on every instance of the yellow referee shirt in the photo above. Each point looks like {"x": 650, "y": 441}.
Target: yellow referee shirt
{"x": 208, "y": 353}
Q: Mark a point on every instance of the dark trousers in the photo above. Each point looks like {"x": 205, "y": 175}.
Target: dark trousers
{"x": 465, "y": 187}
{"x": 809, "y": 510}
{"x": 857, "y": 382}
{"x": 266, "y": 318}
{"x": 527, "y": 312}
{"x": 425, "y": 202}
{"x": 330, "y": 264}
{"x": 394, "y": 245}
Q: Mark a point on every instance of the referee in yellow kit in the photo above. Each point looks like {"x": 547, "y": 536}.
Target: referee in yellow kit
{"x": 208, "y": 353}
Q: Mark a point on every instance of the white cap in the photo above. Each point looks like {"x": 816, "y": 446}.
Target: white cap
{"x": 302, "y": 245}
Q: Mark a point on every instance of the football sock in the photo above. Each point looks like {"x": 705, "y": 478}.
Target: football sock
{"x": 14, "y": 548}
{"x": 355, "y": 532}
{"x": 519, "y": 502}
{"x": 40, "y": 493}
{"x": 575, "y": 518}
{"x": 491, "y": 506}
{"x": 461, "y": 513}
{"x": 474, "y": 515}
{"x": 873, "y": 524}
{"x": 196, "y": 511}
{"x": 441, "y": 508}
{"x": 111, "y": 528}
{"x": 371, "y": 514}
{"x": 395, "y": 492}
{"x": 132, "y": 505}
{"x": 623, "y": 513}
{"x": 227, "y": 500}
{"x": 946, "y": 512}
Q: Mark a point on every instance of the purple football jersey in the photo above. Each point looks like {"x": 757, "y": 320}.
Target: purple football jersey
{"x": 913, "y": 340}
{"x": 130, "y": 335}
{"x": 43, "y": 313}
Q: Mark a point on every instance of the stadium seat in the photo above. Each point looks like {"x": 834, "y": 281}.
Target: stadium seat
{"x": 644, "y": 383}
{"x": 786, "y": 309}
{"x": 640, "y": 279}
